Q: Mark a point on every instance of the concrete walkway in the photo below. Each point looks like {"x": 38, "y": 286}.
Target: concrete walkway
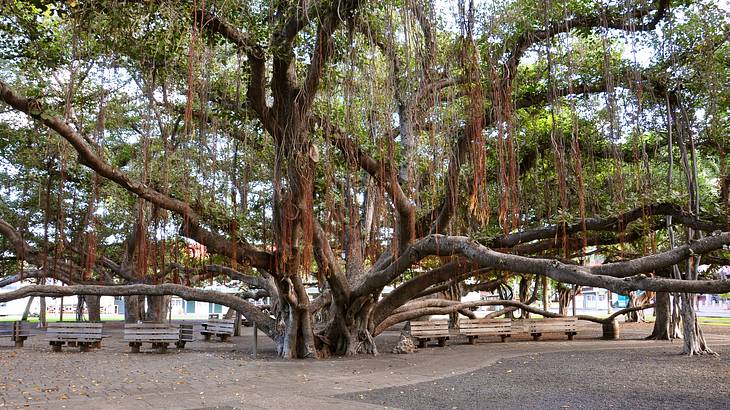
{"x": 224, "y": 375}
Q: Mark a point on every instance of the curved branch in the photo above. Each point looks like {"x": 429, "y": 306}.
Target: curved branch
{"x": 628, "y": 310}
{"x": 88, "y": 157}
{"x": 603, "y": 276}
{"x": 614, "y": 20}
{"x": 613, "y": 223}
{"x": 413, "y": 287}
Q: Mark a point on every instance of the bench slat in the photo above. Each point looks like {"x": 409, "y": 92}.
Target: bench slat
{"x": 75, "y": 324}
{"x": 430, "y": 329}
{"x": 148, "y": 325}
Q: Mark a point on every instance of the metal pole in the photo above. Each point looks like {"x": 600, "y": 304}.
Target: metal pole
{"x": 255, "y": 339}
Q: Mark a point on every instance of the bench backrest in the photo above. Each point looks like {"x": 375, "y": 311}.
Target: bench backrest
{"x": 7, "y": 329}
{"x": 430, "y": 328}
{"x": 151, "y": 332}
{"x": 552, "y": 324}
{"x": 497, "y": 326}
{"x": 75, "y": 330}
{"x": 15, "y": 329}
{"x": 220, "y": 325}
{"x": 186, "y": 332}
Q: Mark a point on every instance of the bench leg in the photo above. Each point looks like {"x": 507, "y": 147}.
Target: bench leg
{"x": 135, "y": 347}
{"x": 207, "y": 337}
{"x": 96, "y": 345}
{"x": 570, "y": 335}
{"x": 162, "y": 348}
{"x": 180, "y": 344}
{"x": 536, "y": 336}
{"x": 421, "y": 343}
{"x": 472, "y": 340}
{"x": 224, "y": 338}
{"x": 83, "y": 347}
{"x": 442, "y": 341}
{"x": 504, "y": 338}
{"x": 19, "y": 342}
{"x": 56, "y": 347}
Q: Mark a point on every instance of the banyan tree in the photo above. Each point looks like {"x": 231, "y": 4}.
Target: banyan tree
{"x": 356, "y": 146}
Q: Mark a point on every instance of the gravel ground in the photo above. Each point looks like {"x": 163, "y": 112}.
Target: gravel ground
{"x": 631, "y": 378}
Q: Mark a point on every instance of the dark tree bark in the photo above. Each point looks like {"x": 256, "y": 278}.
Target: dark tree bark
{"x": 133, "y": 309}
{"x": 157, "y": 308}
{"x": 694, "y": 339}
{"x": 93, "y": 302}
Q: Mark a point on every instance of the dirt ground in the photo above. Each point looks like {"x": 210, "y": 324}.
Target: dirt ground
{"x": 552, "y": 373}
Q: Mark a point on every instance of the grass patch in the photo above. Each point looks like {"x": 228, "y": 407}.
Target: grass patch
{"x": 715, "y": 321}
{"x": 704, "y": 320}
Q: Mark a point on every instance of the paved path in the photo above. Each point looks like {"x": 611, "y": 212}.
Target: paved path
{"x": 223, "y": 375}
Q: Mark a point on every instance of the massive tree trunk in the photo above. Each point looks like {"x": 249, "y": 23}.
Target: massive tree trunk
{"x": 157, "y": 308}
{"x": 133, "y": 308}
{"x": 662, "y": 318}
{"x": 667, "y": 320}
{"x": 93, "y": 302}
{"x": 294, "y": 319}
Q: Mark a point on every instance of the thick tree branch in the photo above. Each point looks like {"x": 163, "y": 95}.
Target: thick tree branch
{"x": 87, "y": 156}
{"x": 603, "y": 276}
{"x": 613, "y": 223}
{"x": 413, "y": 287}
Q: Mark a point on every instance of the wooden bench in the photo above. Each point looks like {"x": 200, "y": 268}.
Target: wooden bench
{"x": 567, "y": 325}
{"x": 81, "y": 334}
{"x": 426, "y": 330}
{"x": 17, "y": 331}
{"x": 473, "y": 328}
{"x": 222, "y": 328}
{"x": 158, "y": 334}
{"x": 186, "y": 335}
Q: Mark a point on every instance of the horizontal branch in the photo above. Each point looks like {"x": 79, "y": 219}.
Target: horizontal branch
{"x": 613, "y": 223}
{"x": 606, "y": 276}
